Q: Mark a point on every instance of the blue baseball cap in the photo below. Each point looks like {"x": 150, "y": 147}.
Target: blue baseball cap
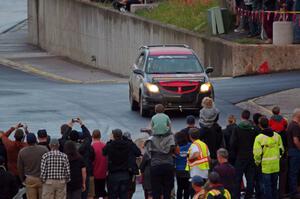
{"x": 198, "y": 180}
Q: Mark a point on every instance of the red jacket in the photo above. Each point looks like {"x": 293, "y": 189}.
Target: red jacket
{"x": 12, "y": 148}
{"x": 100, "y": 162}
{"x": 277, "y": 123}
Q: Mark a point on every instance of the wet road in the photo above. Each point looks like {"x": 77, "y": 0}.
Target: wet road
{"x": 42, "y": 103}
{"x": 11, "y": 13}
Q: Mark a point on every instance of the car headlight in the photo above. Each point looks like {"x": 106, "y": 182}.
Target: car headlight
{"x": 152, "y": 88}
{"x": 205, "y": 87}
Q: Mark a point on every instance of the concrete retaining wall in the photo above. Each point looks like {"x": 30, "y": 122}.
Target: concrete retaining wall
{"x": 80, "y": 30}
{"x": 231, "y": 59}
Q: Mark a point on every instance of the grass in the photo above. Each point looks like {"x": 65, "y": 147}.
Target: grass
{"x": 177, "y": 12}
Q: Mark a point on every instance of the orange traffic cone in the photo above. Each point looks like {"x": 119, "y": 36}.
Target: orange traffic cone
{"x": 264, "y": 68}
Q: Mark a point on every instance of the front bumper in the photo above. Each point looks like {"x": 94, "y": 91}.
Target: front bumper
{"x": 190, "y": 101}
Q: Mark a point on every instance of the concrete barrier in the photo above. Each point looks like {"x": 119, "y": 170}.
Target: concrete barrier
{"x": 81, "y": 30}
{"x": 232, "y": 59}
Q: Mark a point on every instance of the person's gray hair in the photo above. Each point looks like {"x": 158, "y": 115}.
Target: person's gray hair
{"x": 296, "y": 114}
{"x": 54, "y": 143}
{"x": 223, "y": 153}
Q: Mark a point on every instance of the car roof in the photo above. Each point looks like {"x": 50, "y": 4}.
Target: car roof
{"x": 157, "y": 51}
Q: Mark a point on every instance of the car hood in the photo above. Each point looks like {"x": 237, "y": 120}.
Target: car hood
{"x": 177, "y": 77}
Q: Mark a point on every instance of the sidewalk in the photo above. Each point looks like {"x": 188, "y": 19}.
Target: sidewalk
{"x": 287, "y": 101}
{"x": 15, "y": 52}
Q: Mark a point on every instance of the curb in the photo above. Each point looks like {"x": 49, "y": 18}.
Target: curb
{"x": 27, "y": 68}
{"x": 254, "y": 107}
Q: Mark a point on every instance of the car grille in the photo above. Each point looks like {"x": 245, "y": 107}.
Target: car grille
{"x": 179, "y": 87}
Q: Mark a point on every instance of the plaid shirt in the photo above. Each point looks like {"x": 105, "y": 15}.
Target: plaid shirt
{"x": 55, "y": 166}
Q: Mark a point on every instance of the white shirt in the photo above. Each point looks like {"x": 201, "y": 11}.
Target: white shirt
{"x": 195, "y": 171}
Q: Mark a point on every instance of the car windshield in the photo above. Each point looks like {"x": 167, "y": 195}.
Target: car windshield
{"x": 173, "y": 64}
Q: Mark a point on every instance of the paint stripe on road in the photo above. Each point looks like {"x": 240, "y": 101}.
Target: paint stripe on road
{"x": 32, "y": 70}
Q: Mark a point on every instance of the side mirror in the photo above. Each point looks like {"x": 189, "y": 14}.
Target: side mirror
{"x": 209, "y": 70}
{"x": 138, "y": 72}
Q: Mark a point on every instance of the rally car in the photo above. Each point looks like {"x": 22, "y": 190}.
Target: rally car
{"x": 171, "y": 75}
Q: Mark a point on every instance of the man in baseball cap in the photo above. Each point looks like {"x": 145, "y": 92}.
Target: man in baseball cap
{"x": 43, "y": 138}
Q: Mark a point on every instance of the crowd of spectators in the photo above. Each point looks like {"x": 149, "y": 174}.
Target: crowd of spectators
{"x": 206, "y": 161}
{"x": 256, "y": 17}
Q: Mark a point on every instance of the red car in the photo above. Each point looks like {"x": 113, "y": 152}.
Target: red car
{"x": 171, "y": 75}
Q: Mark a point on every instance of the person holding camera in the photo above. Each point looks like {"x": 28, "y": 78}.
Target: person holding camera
{"x": 13, "y": 147}
{"x": 83, "y": 141}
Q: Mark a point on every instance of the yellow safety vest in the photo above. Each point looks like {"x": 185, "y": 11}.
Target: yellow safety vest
{"x": 266, "y": 151}
{"x": 216, "y": 192}
{"x": 202, "y": 161}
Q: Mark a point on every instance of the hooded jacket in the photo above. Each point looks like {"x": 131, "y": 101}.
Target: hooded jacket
{"x": 242, "y": 139}
{"x": 117, "y": 152}
{"x": 278, "y": 123}
{"x": 134, "y": 153}
{"x": 159, "y": 149}
{"x": 213, "y": 138}
{"x": 267, "y": 151}
{"x": 227, "y": 132}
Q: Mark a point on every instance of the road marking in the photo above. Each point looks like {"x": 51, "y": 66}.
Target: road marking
{"x": 31, "y": 69}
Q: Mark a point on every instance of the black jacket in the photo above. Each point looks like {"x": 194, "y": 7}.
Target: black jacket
{"x": 227, "y": 132}
{"x": 117, "y": 153}
{"x": 64, "y": 138}
{"x": 134, "y": 153}
{"x": 8, "y": 185}
{"x": 45, "y": 144}
{"x": 86, "y": 150}
{"x": 83, "y": 145}
{"x": 3, "y": 152}
{"x": 242, "y": 140}
{"x": 213, "y": 138}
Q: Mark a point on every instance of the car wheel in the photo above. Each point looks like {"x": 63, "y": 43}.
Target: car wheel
{"x": 133, "y": 104}
{"x": 143, "y": 112}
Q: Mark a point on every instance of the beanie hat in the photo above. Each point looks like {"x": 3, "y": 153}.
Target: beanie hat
{"x": 31, "y": 139}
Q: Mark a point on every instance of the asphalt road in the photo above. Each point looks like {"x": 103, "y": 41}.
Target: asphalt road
{"x": 11, "y": 13}
{"x": 42, "y": 103}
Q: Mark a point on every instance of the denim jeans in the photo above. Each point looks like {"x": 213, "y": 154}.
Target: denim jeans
{"x": 258, "y": 184}
{"x": 270, "y": 182}
{"x": 247, "y": 167}
{"x": 294, "y": 167}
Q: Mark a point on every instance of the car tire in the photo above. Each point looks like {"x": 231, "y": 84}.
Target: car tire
{"x": 134, "y": 105}
{"x": 143, "y": 111}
